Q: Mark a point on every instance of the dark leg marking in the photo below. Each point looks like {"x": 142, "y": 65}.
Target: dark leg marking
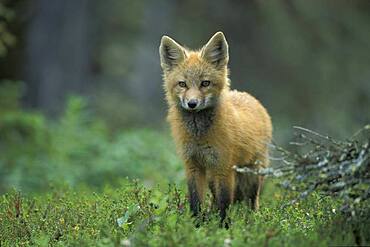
{"x": 193, "y": 197}
{"x": 223, "y": 201}
{"x": 212, "y": 187}
{"x": 253, "y": 195}
{"x": 239, "y": 193}
{"x": 248, "y": 189}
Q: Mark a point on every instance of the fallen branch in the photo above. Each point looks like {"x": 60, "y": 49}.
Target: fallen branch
{"x": 332, "y": 167}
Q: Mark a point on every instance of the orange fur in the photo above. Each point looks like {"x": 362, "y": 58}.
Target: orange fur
{"x": 238, "y": 132}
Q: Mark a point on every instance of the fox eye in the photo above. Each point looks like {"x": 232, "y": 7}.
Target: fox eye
{"x": 182, "y": 84}
{"x": 205, "y": 83}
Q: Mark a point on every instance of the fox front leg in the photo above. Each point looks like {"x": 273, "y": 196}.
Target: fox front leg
{"x": 224, "y": 193}
{"x": 196, "y": 180}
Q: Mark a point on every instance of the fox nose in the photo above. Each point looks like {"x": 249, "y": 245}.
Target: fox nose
{"x": 192, "y": 103}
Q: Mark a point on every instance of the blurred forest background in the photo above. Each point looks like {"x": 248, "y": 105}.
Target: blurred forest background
{"x": 81, "y": 98}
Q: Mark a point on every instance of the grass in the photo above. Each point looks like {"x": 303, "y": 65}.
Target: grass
{"x": 133, "y": 215}
{"x": 89, "y": 205}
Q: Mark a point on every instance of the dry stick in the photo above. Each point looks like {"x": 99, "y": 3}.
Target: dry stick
{"x": 332, "y": 140}
{"x": 323, "y": 166}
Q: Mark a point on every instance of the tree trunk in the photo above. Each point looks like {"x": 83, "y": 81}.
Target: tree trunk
{"x": 57, "y": 53}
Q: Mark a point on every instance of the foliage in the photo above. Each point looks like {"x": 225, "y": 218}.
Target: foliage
{"x": 7, "y": 39}
{"x": 76, "y": 148}
{"x": 75, "y": 155}
{"x": 135, "y": 216}
{"x": 289, "y": 54}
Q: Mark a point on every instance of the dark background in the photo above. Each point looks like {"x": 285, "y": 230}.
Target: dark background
{"x": 307, "y": 61}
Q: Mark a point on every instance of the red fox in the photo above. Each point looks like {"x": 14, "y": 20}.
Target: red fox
{"x": 214, "y": 128}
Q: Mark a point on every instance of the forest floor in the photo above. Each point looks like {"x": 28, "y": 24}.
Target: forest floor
{"x": 68, "y": 174}
{"x": 133, "y": 215}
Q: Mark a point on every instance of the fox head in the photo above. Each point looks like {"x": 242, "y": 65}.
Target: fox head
{"x": 194, "y": 80}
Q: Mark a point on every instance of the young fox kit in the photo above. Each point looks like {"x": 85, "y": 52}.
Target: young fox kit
{"x": 214, "y": 128}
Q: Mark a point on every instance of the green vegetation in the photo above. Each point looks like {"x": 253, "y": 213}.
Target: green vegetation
{"x": 76, "y": 149}
{"x": 156, "y": 217}
{"x": 71, "y": 189}
{"x": 7, "y": 39}
{"x": 99, "y": 170}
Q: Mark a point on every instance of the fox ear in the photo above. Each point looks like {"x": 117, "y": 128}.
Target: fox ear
{"x": 171, "y": 53}
{"x": 216, "y": 51}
